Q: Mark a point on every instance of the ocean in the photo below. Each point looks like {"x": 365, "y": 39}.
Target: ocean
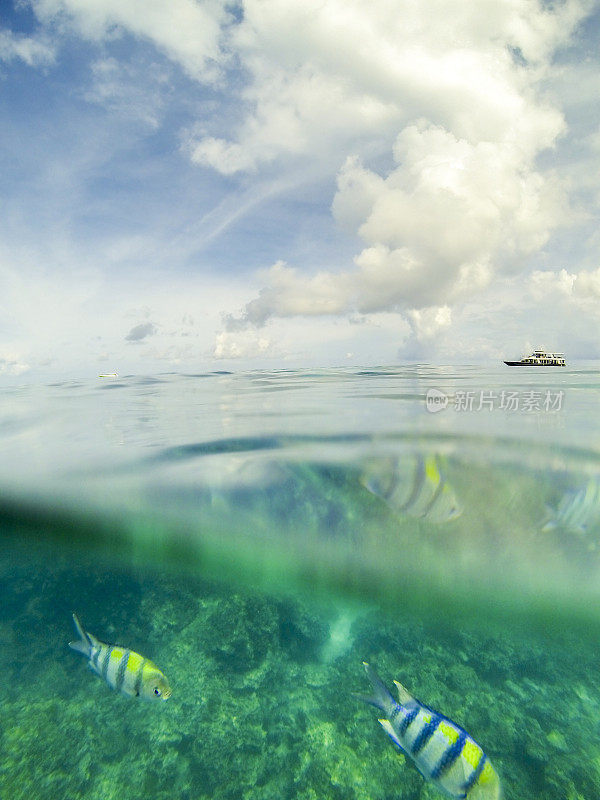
{"x": 259, "y": 535}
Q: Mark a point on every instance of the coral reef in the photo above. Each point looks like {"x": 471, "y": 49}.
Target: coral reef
{"x": 263, "y": 705}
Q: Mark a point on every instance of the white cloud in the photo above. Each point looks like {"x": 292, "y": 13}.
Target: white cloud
{"x": 545, "y": 282}
{"x": 238, "y": 345}
{"x": 186, "y": 31}
{"x": 129, "y": 90}
{"x": 580, "y": 287}
{"x": 427, "y": 323}
{"x": 594, "y": 138}
{"x": 227, "y": 157}
{"x": 435, "y": 228}
{"x": 290, "y": 294}
{"x": 465, "y": 200}
{"x": 34, "y": 51}
{"x": 450, "y": 211}
{"x": 453, "y": 63}
{"x": 304, "y": 113}
{"x": 511, "y": 317}
{"x": 12, "y": 364}
{"x": 298, "y": 341}
{"x": 433, "y": 116}
{"x": 587, "y": 284}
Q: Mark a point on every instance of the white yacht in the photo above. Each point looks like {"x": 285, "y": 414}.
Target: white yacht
{"x": 540, "y": 358}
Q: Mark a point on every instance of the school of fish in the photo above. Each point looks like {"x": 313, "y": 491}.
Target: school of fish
{"x": 442, "y": 751}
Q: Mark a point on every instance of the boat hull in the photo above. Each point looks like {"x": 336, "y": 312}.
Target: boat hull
{"x": 521, "y": 364}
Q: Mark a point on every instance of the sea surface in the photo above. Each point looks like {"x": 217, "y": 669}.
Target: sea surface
{"x": 259, "y": 535}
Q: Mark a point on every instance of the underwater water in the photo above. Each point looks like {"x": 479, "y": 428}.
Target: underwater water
{"x": 259, "y": 536}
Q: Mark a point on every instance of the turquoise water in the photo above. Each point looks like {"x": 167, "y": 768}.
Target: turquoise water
{"x": 259, "y": 536}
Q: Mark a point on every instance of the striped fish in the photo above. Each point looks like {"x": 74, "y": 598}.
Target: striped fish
{"x": 123, "y": 670}
{"x": 577, "y": 511}
{"x": 413, "y": 485}
{"x": 442, "y": 751}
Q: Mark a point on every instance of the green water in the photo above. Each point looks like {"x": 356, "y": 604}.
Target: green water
{"x": 224, "y": 527}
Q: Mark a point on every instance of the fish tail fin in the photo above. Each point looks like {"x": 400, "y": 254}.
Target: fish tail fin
{"x": 381, "y": 698}
{"x": 487, "y": 792}
{"x": 85, "y": 641}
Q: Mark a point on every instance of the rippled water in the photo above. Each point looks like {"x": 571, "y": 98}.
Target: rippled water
{"x": 259, "y": 535}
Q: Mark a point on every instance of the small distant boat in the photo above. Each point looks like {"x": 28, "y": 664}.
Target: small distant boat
{"x": 108, "y": 375}
{"x": 540, "y": 358}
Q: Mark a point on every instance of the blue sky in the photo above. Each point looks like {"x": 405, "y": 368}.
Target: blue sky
{"x": 192, "y": 185}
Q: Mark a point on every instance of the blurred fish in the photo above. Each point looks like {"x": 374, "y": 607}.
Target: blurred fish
{"x": 442, "y": 751}
{"x": 122, "y": 669}
{"x": 578, "y": 510}
{"x": 413, "y": 485}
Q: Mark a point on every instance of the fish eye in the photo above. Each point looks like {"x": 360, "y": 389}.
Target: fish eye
{"x": 157, "y": 691}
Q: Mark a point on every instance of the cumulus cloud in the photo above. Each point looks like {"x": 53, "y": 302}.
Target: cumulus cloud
{"x": 435, "y": 229}
{"x": 432, "y": 119}
{"x": 467, "y": 67}
{"x": 464, "y": 200}
{"x": 440, "y": 222}
{"x": 141, "y": 331}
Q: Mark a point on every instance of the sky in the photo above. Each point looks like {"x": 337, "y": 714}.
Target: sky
{"x": 201, "y": 184}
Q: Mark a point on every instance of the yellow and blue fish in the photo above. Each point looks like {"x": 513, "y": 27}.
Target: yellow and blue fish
{"x": 123, "y": 670}
{"x": 413, "y": 485}
{"x": 442, "y": 751}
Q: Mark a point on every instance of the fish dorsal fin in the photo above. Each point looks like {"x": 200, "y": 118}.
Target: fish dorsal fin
{"x": 403, "y": 694}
